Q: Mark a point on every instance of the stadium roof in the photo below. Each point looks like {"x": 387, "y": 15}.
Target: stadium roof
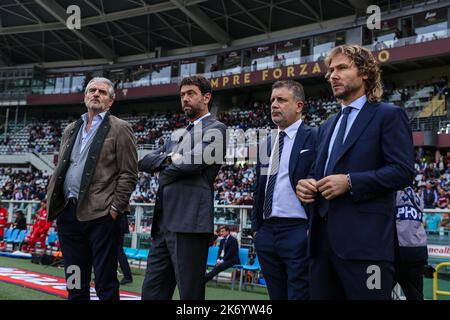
{"x": 36, "y": 31}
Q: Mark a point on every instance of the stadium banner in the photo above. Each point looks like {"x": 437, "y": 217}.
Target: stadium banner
{"x": 48, "y": 284}
{"x": 296, "y": 71}
{"x": 437, "y": 251}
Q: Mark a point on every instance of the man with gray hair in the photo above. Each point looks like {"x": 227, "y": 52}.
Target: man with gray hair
{"x": 90, "y": 187}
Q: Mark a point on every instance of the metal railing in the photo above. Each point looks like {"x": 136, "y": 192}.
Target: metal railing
{"x": 436, "y": 290}
{"x": 237, "y": 217}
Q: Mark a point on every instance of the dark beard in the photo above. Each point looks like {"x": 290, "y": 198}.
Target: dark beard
{"x": 346, "y": 93}
{"x": 192, "y": 113}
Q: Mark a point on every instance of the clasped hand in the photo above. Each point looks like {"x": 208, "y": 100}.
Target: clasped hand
{"x": 329, "y": 187}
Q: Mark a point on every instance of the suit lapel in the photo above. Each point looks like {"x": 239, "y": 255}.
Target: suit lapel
{"x": 323, "y": 152}
{"x": 360, "y": 123}
{"x": 72, "y": 138}
{"x": 302, "y": 135}
{"x": 93, "y": 155}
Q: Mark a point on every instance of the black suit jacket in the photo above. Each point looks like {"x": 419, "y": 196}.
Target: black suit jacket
{"x": 379, "y": 157}
{"x": 231, "y": 247}
{"x": 300, "y": 162}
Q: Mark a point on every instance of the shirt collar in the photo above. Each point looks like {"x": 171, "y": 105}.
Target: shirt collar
{"x": 201, "y": 118}
{"x": 291, "y": 131}
{"x": 358, "y": 103}
{"x": 84, "y": 116}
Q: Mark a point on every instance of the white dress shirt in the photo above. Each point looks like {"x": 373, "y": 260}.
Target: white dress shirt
{"x": 285, "y": 203}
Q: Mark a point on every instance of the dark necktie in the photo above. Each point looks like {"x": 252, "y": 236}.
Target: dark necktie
{"x": 337, "y": 146}
{"x": 275, "y": 166}
{"x": 338, "y": 142}
{"x": 188, "y": 129}
{"x": 190, "y": 126}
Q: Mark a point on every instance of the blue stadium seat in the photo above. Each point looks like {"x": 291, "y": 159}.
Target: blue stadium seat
{"x": 243, "y": 257}
{"x": 142, "y": 254}
{"x": 7, "y": 234}
{"x": 51, "y": 239}
{"x": 13, "y": 235}
{"x": 130, "y": 252}
{"x": 212, "y": 256}
{"x": 50, "y": 242}
{"x": 17, "y": 243}
{"x": 255, "y": 267}
{"x": 20, "y": 236}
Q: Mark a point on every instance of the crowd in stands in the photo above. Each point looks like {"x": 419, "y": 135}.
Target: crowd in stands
{"x": 250, "y": 115}
{"x": 23, "y": 185}
{"x": 52, "y": 129}
{"x": 234, "y": 184}
{"x": 257, "y": 114}
{"x": 432, "y": 184}
{"x": 151, "y": 129}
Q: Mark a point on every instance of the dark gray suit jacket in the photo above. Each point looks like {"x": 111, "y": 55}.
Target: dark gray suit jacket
{"x": 186, "y": 190}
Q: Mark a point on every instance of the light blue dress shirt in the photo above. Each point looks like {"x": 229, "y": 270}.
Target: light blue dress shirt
{"x": 357, "y": 106}
{"x": 87, "y": 136}
{"x": 285, "y": 203}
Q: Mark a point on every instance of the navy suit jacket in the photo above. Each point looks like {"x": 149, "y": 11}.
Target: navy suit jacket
{"x": 231, "y": 247}
{"x": 299, "y": 167}
{"x": 378, "y": 155}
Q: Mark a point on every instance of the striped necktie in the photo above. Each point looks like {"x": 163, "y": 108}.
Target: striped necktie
{"x": 275, "y": 165}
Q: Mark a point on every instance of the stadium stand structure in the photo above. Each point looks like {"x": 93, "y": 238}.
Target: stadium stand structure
{"x": 145, "y": 48}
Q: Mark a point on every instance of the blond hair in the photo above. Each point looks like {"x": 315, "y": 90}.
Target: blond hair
{"x": 367, "y": 66}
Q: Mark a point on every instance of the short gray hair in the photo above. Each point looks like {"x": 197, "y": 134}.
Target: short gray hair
{"x": 112, "y": 94}
{"x": 295, "y": 87}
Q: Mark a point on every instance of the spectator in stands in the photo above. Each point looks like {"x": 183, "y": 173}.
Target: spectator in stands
{"x": 429, "y": 196}
{"x": 442, "y": 200}
{"x": 441, "y": 165}
{"x": 214, "y": 67}
{"x": 254, "y": 65}
{"x": 279, "y": 221}
{"x": 183, "y": 218}
{"x": 365, "y": 153}
{"x": 445, "y": 221}
{"x": 20, "y": 222}
{"x": 91, "y": 185}
{"x": 228, "y": 254}
{"x": 412, "y": 239}
{"x": 432, "y": 221}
